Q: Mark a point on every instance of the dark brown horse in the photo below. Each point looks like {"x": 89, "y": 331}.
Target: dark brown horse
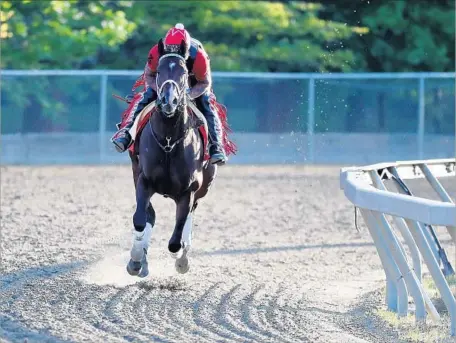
{"x": 171, "y": 163}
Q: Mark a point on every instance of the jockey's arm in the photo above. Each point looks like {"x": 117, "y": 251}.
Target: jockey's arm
{"x": 200, "y": 88}
{"x": 202, "y": 72}
{"x": 150, "y": 70}
{"x": 150, "y": 78}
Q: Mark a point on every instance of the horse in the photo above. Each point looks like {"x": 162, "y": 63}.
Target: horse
{"x": 171, "y": 162}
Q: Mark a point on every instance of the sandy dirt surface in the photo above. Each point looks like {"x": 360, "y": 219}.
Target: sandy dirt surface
{"x": 275, "y": 258}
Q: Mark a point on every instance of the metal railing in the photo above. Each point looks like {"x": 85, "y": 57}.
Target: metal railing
{"x": 310, "y": 78}
{"x": 413, "y": 216}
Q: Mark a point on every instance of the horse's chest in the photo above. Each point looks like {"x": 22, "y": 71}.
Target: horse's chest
{"x": 172, "y": 180}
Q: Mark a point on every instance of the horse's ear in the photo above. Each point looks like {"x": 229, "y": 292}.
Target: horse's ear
{"x": 161, "y": 47}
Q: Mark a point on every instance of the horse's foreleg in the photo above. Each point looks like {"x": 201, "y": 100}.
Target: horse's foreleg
{"x": 136, "y": 171}
{"x": 143, "y": 228}
{"x": 134, "y": 167}
{"x": 180, "y": 241}
{"x": 144, "y": 192}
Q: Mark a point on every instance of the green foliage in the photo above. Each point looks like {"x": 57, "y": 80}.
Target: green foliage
{"x": 247, "y": 35}
{"x": 239, "y": 35}
{"x": 59, "y": 34}
{"x": 55, "y": 34}
{"x": 404, "y": 35}
{"x": 289, "y": 36}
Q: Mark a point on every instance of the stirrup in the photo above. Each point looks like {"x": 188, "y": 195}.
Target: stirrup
{"x": 118, "y": 147}
{"x": 218, "y": 159}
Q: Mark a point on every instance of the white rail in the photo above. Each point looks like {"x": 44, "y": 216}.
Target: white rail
{"x": 364, "y": 187}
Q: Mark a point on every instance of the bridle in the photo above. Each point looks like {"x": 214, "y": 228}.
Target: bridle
{"x": 181, "y": 95}
{"x": 180, "y": 91}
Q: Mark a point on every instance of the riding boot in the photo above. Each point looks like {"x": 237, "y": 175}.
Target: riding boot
{"x": 122, "y": 138}
{"x": 215, "y": 129}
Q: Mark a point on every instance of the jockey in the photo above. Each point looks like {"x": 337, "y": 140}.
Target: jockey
{"x": 198, "y": 65}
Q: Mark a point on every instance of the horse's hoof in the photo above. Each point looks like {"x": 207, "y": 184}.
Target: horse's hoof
{"x": 144, "y": 270}
{"x": 138, "y": 253}
{"x": 133, "y": 267}
{"x": 182, "y": 265}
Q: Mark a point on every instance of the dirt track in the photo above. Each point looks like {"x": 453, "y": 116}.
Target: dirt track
{"x": 275, "y": 258}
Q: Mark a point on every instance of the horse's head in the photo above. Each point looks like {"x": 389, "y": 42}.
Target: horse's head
{"x": 172, "y": 80}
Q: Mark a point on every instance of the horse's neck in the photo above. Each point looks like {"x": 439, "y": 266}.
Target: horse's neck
{"x": 173, "y": 127}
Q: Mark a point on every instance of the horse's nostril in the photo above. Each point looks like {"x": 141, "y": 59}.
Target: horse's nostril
{"x": 175, "y": 101}
{"x": 164, "y": 101}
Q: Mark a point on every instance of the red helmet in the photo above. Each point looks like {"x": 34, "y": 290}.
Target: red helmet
{"x": 175, "y": 36}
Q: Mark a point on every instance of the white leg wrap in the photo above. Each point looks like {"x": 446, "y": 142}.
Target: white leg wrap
{"x": 140, "y": 242}
{"x": 187, "y": 232}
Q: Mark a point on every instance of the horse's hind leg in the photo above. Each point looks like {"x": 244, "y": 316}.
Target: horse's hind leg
{"x": 183, "y": 207}
{"x": 209, "y": 174}
{"x": 143, "y": 228}
{"x": 182, "y": 264}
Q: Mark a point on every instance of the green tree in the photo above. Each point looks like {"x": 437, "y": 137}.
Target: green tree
{"x": 59, "y": 34}
{"x": 403, "y": 35}
{"x": 245, "y": 35}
